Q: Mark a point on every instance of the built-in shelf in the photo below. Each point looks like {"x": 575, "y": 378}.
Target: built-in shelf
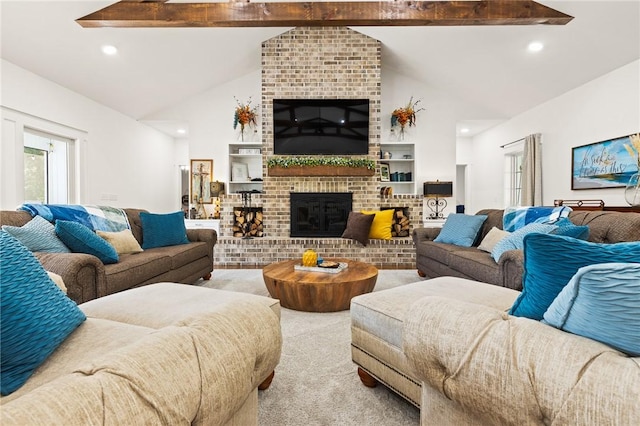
{"x": 402, "y": 170}
{"x": 245, "y": 164}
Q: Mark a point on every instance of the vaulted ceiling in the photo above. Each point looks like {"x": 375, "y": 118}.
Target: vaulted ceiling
{"x": 487, "y": 67}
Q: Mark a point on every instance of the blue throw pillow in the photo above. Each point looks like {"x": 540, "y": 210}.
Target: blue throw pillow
{"x": 515, "y": 240}
{"x": 81, "y": 239}
{"x": 36, "y": 316}
{"x": 601, "y": 302}
{"x": 461, "y": 229}
{"x": 567, "y": 228}
{"x": 38, "y": 235}
{"x": 551, "y": 260}
{"x": 161, "y": 230}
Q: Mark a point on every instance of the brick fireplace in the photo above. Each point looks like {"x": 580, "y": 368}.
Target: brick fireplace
{"x": 323, "y": 62}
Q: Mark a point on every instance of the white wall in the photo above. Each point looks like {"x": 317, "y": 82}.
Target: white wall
{"x": 605, "y": 108}
{"x": 124, "y": 163}
{"x": 210, "y": 118}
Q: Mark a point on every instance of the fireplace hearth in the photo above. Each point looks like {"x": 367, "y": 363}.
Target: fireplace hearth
{"x": 319, "y": 214}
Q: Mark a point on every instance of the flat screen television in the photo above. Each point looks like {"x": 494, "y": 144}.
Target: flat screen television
{"x": 321, "y": 126}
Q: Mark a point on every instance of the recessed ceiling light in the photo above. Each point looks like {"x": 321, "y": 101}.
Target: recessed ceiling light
{"x": 535, "y": 46}
{"x": 181, "y": 131}
{"x": 464, "y": 130}
{"x": 109, "y": 49}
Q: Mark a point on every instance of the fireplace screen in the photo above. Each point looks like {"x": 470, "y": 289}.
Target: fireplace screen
{"x": 319, "y": 214}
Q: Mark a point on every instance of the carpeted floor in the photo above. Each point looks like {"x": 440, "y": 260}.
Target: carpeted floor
{"x": 316, "y": 383}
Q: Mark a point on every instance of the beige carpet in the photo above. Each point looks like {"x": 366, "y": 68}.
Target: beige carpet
{"x": 316, "y": 383}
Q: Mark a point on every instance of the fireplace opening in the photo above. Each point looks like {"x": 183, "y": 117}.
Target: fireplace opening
{"x": 319, "y": 214}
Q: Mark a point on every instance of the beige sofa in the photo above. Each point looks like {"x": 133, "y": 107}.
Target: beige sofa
{"x": 440, "y": 259}
{"x": 448, "y": 347}
{"x": 480, "y": 366}
{"x": 160, "y": 354}
{"x": 87, "y": 278}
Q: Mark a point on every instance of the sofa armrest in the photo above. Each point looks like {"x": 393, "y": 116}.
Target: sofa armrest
{"x": 200, "y": 371}
{"x": 511, "y": 266}
{"x": 83, "y": 274}
{"x": 209, "y": 236}
{"x": 424, "y": 234}
{"x": 510, "y": 370}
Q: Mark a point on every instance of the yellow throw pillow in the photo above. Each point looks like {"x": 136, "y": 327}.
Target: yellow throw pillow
{"x": 381, "y": 226}
{"x": 124, "y": 242}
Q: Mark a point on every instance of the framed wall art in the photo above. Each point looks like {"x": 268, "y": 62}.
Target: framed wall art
{"x": 201, "y": 176}
{"x": 605, "y": 164}
{"x": 384, "y": 172}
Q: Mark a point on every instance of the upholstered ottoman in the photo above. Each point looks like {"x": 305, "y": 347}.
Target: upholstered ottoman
{"x": 377, "y": 321}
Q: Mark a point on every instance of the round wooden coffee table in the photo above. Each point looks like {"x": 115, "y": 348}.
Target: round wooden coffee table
{"x": 318, "y": 291}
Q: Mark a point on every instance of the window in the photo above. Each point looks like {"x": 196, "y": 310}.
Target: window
{"x": 46, "y": 167}
{"x": 513, "y": 179}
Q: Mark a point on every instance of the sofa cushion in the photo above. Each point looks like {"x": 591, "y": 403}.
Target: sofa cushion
{"x": 491, "y": 239}
{"x": 358, "y": 226}
{"x": 439, "y": 252}
{"x": 36, "y": 315}
{"x": 183, "y": 254}
{"x": 608, "y": 226}
{"x": 478, "y": 265}
{"x": 123, "y": 241}
{"x": 135, "y": 268}
{"x": 601, "y": 302}
{"x": 551, "y": 261}
{"x": 381, "y": 226}
{"x": 38, "y": 235}
{"x": 515, "y": 240}
{"x": 162, "y": 304}
{"x": 567, "y": 228}
{"x": 460, "y": 229}
{"x": 382, "y": 313}
{"x": 81, "y": 239}
{"x": 160, "y": 230}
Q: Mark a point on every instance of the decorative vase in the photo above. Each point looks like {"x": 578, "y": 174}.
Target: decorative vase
{"x": 632, "y": 191}
{"x": 310, "y": 258}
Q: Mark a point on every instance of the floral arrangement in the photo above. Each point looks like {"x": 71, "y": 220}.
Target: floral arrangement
{"x": 405, "y": 115}
{"x": 634, "y": 148}
{"x": 286, "y": 162}
{"x": 244, "y": 115}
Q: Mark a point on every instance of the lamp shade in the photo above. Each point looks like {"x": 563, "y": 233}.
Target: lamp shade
{"x": 438, "y": 189}
{"x": 217, "y": 188}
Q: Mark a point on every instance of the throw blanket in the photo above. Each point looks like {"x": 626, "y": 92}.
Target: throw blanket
{"x": 96, "y": 218}
{"x": 517, "y": 217}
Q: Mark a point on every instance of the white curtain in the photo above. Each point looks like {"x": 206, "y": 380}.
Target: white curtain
{"x": 532, "y": 171}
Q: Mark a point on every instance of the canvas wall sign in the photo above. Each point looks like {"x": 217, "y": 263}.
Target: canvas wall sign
{"x": 605, "y": 164}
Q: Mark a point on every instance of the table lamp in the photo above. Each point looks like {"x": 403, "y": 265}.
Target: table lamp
{"x": 435, "y": 192}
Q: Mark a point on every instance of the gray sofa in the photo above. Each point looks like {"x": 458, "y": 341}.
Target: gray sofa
{"x": 87, "y": 278}
{"x": 440, "y": 259}
{"x": 165, "y": 353}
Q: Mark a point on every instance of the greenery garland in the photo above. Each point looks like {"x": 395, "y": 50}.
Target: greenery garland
{"x": 286, "y": 162}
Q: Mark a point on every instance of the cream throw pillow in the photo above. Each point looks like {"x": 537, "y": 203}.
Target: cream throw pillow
{"x": 58, "y": 280}
{"x": 124, "y": 242}
{"x": 492, "y": 238}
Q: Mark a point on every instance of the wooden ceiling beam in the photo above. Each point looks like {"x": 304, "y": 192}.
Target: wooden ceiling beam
{"x": 160, "y": 13}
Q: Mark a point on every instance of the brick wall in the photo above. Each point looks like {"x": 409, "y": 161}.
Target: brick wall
{"x": 331, "y": 62}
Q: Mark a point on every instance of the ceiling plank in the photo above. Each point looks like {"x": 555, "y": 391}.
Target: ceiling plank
{"x": 131, "y": 13}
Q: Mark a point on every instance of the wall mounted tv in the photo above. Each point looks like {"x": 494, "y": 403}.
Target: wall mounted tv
{"x": 321, "y": 126}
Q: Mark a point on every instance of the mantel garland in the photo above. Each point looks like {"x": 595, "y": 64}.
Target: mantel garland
{"x": 286, "y": 162}
{"x": 322, "y": 166}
